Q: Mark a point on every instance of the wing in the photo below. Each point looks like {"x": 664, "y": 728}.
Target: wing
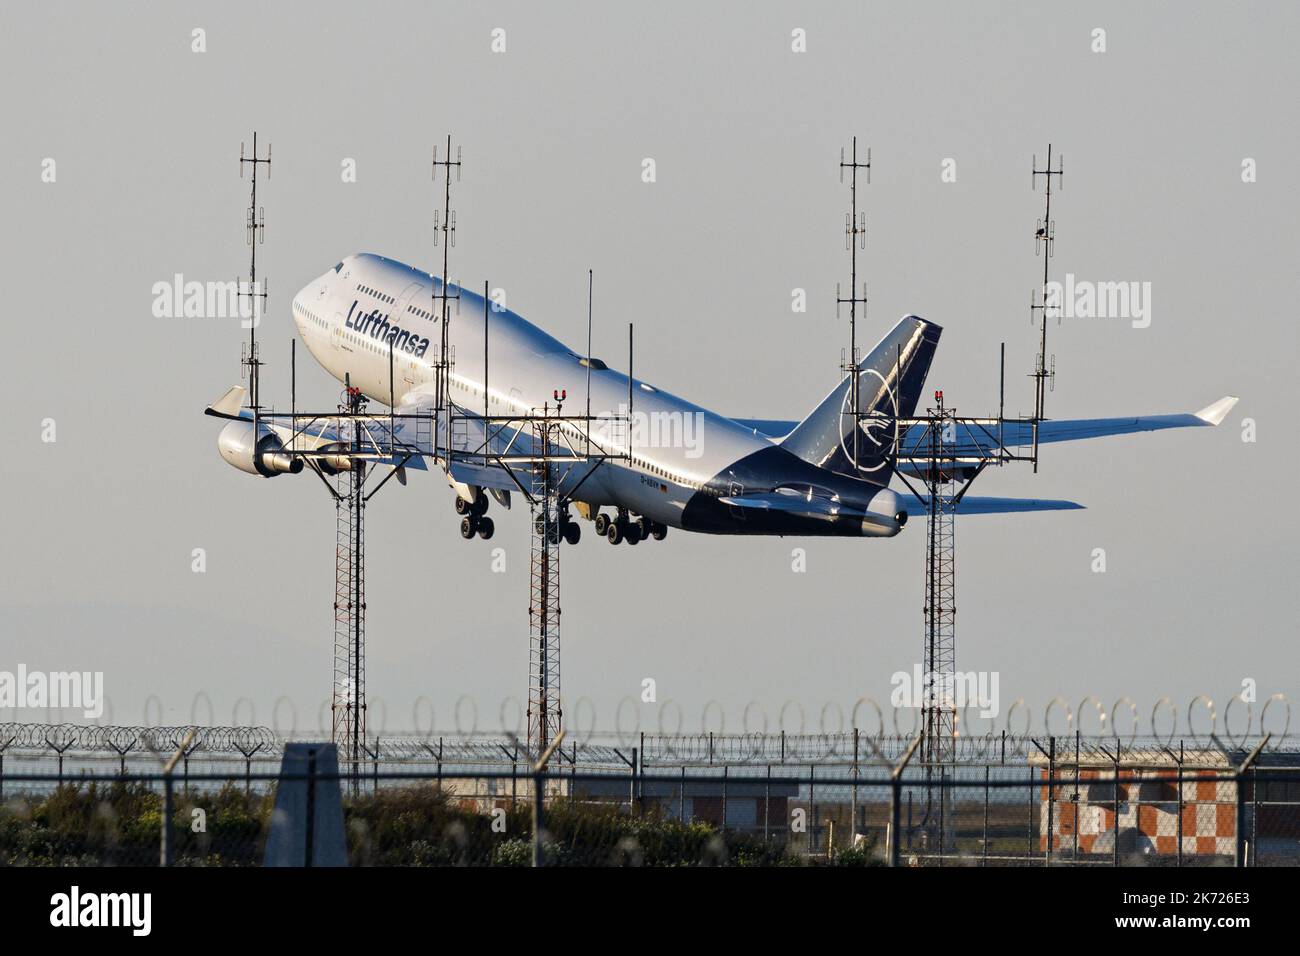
{"x": 975, "y": 440}
{"x": 985, "y": 439}
{"x": 975, "y": 505}
{"x": 312, "y": 434}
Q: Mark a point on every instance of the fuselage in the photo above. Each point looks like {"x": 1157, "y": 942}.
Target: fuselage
{"x": 684, "y": 466}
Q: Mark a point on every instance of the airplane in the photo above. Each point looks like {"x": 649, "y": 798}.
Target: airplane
{"x": 666, "y": 463}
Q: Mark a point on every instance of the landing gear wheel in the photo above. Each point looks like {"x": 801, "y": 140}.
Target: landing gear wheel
{"x": 485, "y": 528}
{"x": 467, "y": 527}
{"x": 572, "y": 533}
{"x": 462, "y": 506}
{"x": 480, "y": 505}
{"x": 602, "y": 524}
{"x": 614, "y": 532}
{"x": 658, "y": 531}
{"x": 633, "y": 533}
{"x": 643, "y": 525}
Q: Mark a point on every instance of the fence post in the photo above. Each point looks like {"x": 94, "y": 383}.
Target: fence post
{"x": 309, "y": 843}
{"x": 812, "y": 806}
{"x": 631, "y": 800}
{"x": 724, "y": 799}
{"x": 1029, "y": 825}
{"x": 1051, "y": 794}
{"x": 681, "y": 797}
{"x": 166, "y": 849}
{"x": 1238, "y": 779}
{"x": 1180, "y": 803}
{"x": 895, "y": 816}
{"x": 1115, "y": 854}
{"x": 984, "y": 853}
{"x": 853, "y": 794}
{"x": 895, "y": 794}
{"x": 767, "y": 805}
{"x": 1254, "y": 816}
{"x": 165, "y": 856}
{"x": 539, "y": 810}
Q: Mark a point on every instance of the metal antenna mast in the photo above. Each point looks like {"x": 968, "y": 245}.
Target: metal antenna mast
{"x": 855, "y": 238}
{"x": 944, "y": 453}
{"x": 1044, "y": 374}
{"x": 938, "y": 706}
{"x": 348, "y": 702}
{"x": 545, "y": 717}
{"x": 254, "y": 229}
{"x": 445, "y": 224}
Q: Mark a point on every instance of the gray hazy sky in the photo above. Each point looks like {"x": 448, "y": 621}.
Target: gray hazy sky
{"x": 1198, "y": 528}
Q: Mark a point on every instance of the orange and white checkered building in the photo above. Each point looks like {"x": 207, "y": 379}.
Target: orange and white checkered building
{"x": 1084, "y": 809}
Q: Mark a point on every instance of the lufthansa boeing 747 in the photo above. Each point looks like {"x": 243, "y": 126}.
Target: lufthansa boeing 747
{"x": 666, "y": 463}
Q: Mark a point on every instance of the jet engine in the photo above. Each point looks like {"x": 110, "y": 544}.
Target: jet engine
{"x": 263, "y": 456}
{"x": 332, "y": 464}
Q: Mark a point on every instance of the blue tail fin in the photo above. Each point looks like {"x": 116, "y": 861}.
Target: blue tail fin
{"x": 890, "y": 380}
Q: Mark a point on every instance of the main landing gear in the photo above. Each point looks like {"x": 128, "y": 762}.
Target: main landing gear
{"x": 629, "y": 528}
{"x": 567, "y": 530}
{"x": 475, "y": 520}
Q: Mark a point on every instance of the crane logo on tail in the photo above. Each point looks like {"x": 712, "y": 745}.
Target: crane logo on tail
{"x": 878, "y": 422}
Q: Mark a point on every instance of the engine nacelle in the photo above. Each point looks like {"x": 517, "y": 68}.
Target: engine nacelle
{"x": 333, "y": 464}
{"x": 264, "y": 456}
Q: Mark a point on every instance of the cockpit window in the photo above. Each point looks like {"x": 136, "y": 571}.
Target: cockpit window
{"x": 338, "y": 267}
{"x": 594, "y": 363}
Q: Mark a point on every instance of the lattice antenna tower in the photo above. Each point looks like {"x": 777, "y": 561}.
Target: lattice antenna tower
{"x": 1041, "y": 303}
{"x": 444, "y": 235}
{"x": 255, "y": 295}
{"x": 855, "y": 239}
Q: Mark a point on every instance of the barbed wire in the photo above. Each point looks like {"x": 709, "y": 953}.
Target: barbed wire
{"x": 608, "y": 749}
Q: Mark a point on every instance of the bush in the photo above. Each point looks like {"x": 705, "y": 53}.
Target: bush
{"x": 107, "y": 824}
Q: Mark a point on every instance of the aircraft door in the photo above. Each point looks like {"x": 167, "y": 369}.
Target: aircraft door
{"x": 404, "y": 364}
{"x": 735, "y": 490}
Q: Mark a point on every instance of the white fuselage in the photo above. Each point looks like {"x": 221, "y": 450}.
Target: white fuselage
{"x": 375, "y": 323}
{"x": 346, "y": 317}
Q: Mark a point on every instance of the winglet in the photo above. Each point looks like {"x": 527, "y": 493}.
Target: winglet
{"x": 228, "y": 405}
{"x": 1214, "y": 413}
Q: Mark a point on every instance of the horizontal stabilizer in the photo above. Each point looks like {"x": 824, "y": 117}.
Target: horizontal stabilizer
{"x": 975, "y": 505}
{"x": 228, "y": 405}
{"x": 808, "y": 506}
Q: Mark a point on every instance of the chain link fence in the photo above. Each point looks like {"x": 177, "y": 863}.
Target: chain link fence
{"x": 99, "y": 796}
